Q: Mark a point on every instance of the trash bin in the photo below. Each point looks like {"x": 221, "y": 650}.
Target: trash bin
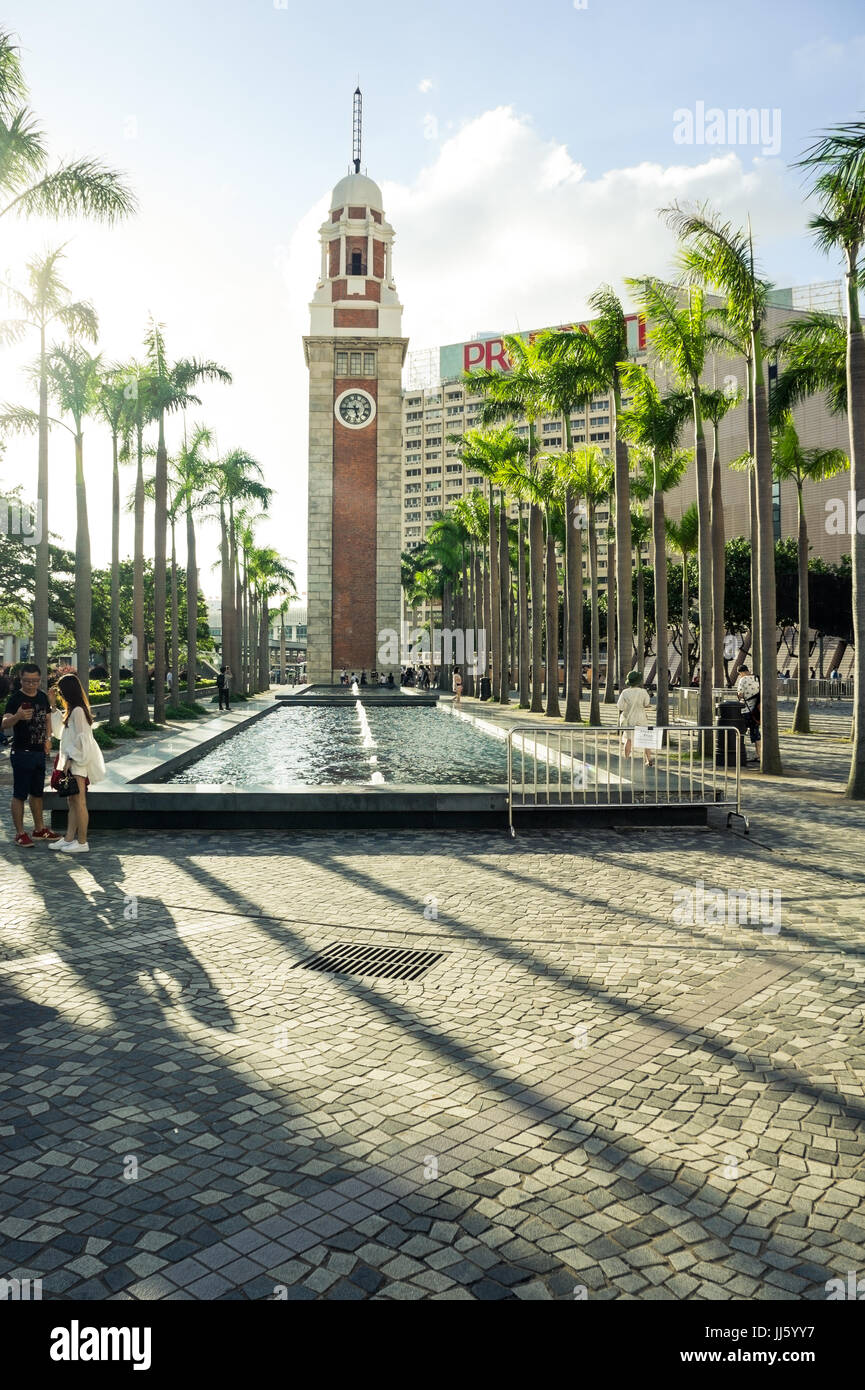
{"x": 486, "y": 687}
{"x": 733, "y": 723}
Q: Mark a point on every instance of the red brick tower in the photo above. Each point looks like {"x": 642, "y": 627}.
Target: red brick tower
{"x": 355, "y": 353}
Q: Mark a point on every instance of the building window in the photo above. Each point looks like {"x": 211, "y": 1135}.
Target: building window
{"x": 342, "y": 364}
{"x": 412, "y": 472}
{"x": 414, "y": 415}
{"x": 432, "y": 487}
{"x": 475, "y": 482}
{"x": 453, "y": 468}
{"x": 355, "y": 359}
{"x": 437, "y": 469}
{"x": 357, "y": 263}
{"x": 413, "y": 458}
{"x": 412, "y": 487}
{"x": 369, "y": 364}
{"x": 413, "y": 429}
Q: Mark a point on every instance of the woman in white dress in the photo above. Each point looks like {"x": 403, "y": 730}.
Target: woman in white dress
{"x": 633, "y": 705}
{"x": 81, "y": 755}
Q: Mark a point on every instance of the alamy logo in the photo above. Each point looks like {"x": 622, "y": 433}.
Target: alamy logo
{"x": 76, "y": 1343}
{"x": 852, "y": 1288}
{"x": 20, "y": 1290}
{"x": 702, "y": 906}
{"x": 737, "y": 126}
{"x": 22, "y": 520}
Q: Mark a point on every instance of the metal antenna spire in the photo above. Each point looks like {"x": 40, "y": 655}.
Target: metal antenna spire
{"x": 357, "y": 125}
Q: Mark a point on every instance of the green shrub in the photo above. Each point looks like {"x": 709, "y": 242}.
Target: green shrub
{"x": 143, "y": 724}
{"x": 197, "y": 708}
{"x": 121, "y": 730}
{"x": 179, "y": 712}
{"x": 102, "y": 738}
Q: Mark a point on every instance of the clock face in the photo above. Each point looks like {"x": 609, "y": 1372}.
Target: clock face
{"x": 355, "y": 409}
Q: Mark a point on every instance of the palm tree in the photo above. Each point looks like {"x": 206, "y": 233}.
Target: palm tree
{"x": 46, "y": 303}
{"x": 641, "y": 529}
{"x": 79, "y": 188}
{"x": 171, "y": 385}
{"x": 599, "y": 351}
{"x": 502, "y": 457}
{"x": 72, "y": 378}
{"x": 679, "y": 334}
{"x": 521, "y": 392}
{"x": 73, "y": 381}
{"x": 139, "y": 401}
{"x": 837, "y": 162}
{"x": 731, "y": 333}
{"x": 716, "y": 403}
{"x": 653, "y": 424}
{"x": 112, "y": 403}
{"x": 192, "y": 468}
{"x": 722, "y": 257}
{"x": 799, "y": 466}
{"x": 684, "y": 535}
{"x": 591, "y": 475}
{"x": 233, "y": 482}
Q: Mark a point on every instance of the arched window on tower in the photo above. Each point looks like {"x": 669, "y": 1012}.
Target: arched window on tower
{"x": 356, "y": 263}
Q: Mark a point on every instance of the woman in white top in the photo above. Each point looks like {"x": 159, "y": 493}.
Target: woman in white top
{"x": 81, "y": 755}
{"x": 633, "y": 705}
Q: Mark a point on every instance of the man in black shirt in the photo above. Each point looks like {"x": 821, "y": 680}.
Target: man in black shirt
{"x": 28, "y": 715}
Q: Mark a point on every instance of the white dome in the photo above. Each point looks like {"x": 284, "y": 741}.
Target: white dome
{"x": 356, "y": 190}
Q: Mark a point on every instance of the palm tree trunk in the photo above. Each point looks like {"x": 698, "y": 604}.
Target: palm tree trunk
{"x": 227, "y": 601}
{"x": 83, "y": 594}
{"x": 175, "y": 622}
{"x": 662, "y": 667}
{"x": 856, "y": 413}
{"x": 686, "y": 624}
{"x": 43, "y": 554}
{"x": 574, "y": 611}
{"x": 704, "y": 561}
{"x": 770, "y": 747}
{"x": 641, "y": 616}
{"x": 114, "y": 668}
{"x": 624, "y": 605}
{"x": 191, "y": 605}
{"x": 594, "y": 701}
{"x": 491, "y": 597}
{"x": 552, "y": 710}
{"x": 505, "y": 590}
{"x": 536, "y": 585}
{"x": 283, "y": 674}
{"x": 752, "y": 527}
{"x": 612, "y": 634}
{"x": 718, "y": 560}
{"x": 140, "y": 709}
{"x": 801, "y": 717}
{"x": 160, "y": 510}
{"x": 523, "y": 604}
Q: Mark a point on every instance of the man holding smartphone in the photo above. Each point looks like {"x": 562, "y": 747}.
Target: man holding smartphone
{"x": 28, "y": 715}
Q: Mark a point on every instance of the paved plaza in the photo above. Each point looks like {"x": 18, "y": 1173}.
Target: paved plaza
{"x": 586, "y": 1095}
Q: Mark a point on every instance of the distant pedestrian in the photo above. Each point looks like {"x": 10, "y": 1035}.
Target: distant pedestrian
{"x": 835, "y": 678}
{"x": 223, "y": 688}
{"x": 457, "y": 684}
{"x": 633, "y": 705}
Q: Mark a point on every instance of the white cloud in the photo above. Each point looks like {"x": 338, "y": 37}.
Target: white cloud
{"x": 425, "y": 84}
{"x": 501, "y": 229}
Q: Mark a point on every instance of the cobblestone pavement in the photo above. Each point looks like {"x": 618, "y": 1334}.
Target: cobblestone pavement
{"x": 584, "y": 1092}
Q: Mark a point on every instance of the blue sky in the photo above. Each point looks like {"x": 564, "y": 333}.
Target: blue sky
{"x": 523, "y": 150}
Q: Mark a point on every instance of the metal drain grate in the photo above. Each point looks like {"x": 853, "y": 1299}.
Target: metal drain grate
{"x": 390, "y": 962}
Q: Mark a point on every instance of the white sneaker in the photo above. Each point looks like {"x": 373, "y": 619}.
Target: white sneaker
{"x": 72, "y": 847}
{"x": 58, "y": 844}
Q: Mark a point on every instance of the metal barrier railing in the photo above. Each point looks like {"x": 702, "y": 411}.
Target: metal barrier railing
{"x": 818, "y": 689}
{"x": 572, "y": 766}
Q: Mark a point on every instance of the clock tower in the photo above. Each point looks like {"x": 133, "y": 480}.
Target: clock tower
{"x": 354, "y": 352}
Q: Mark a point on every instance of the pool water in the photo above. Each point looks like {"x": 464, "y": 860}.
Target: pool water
{"x": 320, "y": 747}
